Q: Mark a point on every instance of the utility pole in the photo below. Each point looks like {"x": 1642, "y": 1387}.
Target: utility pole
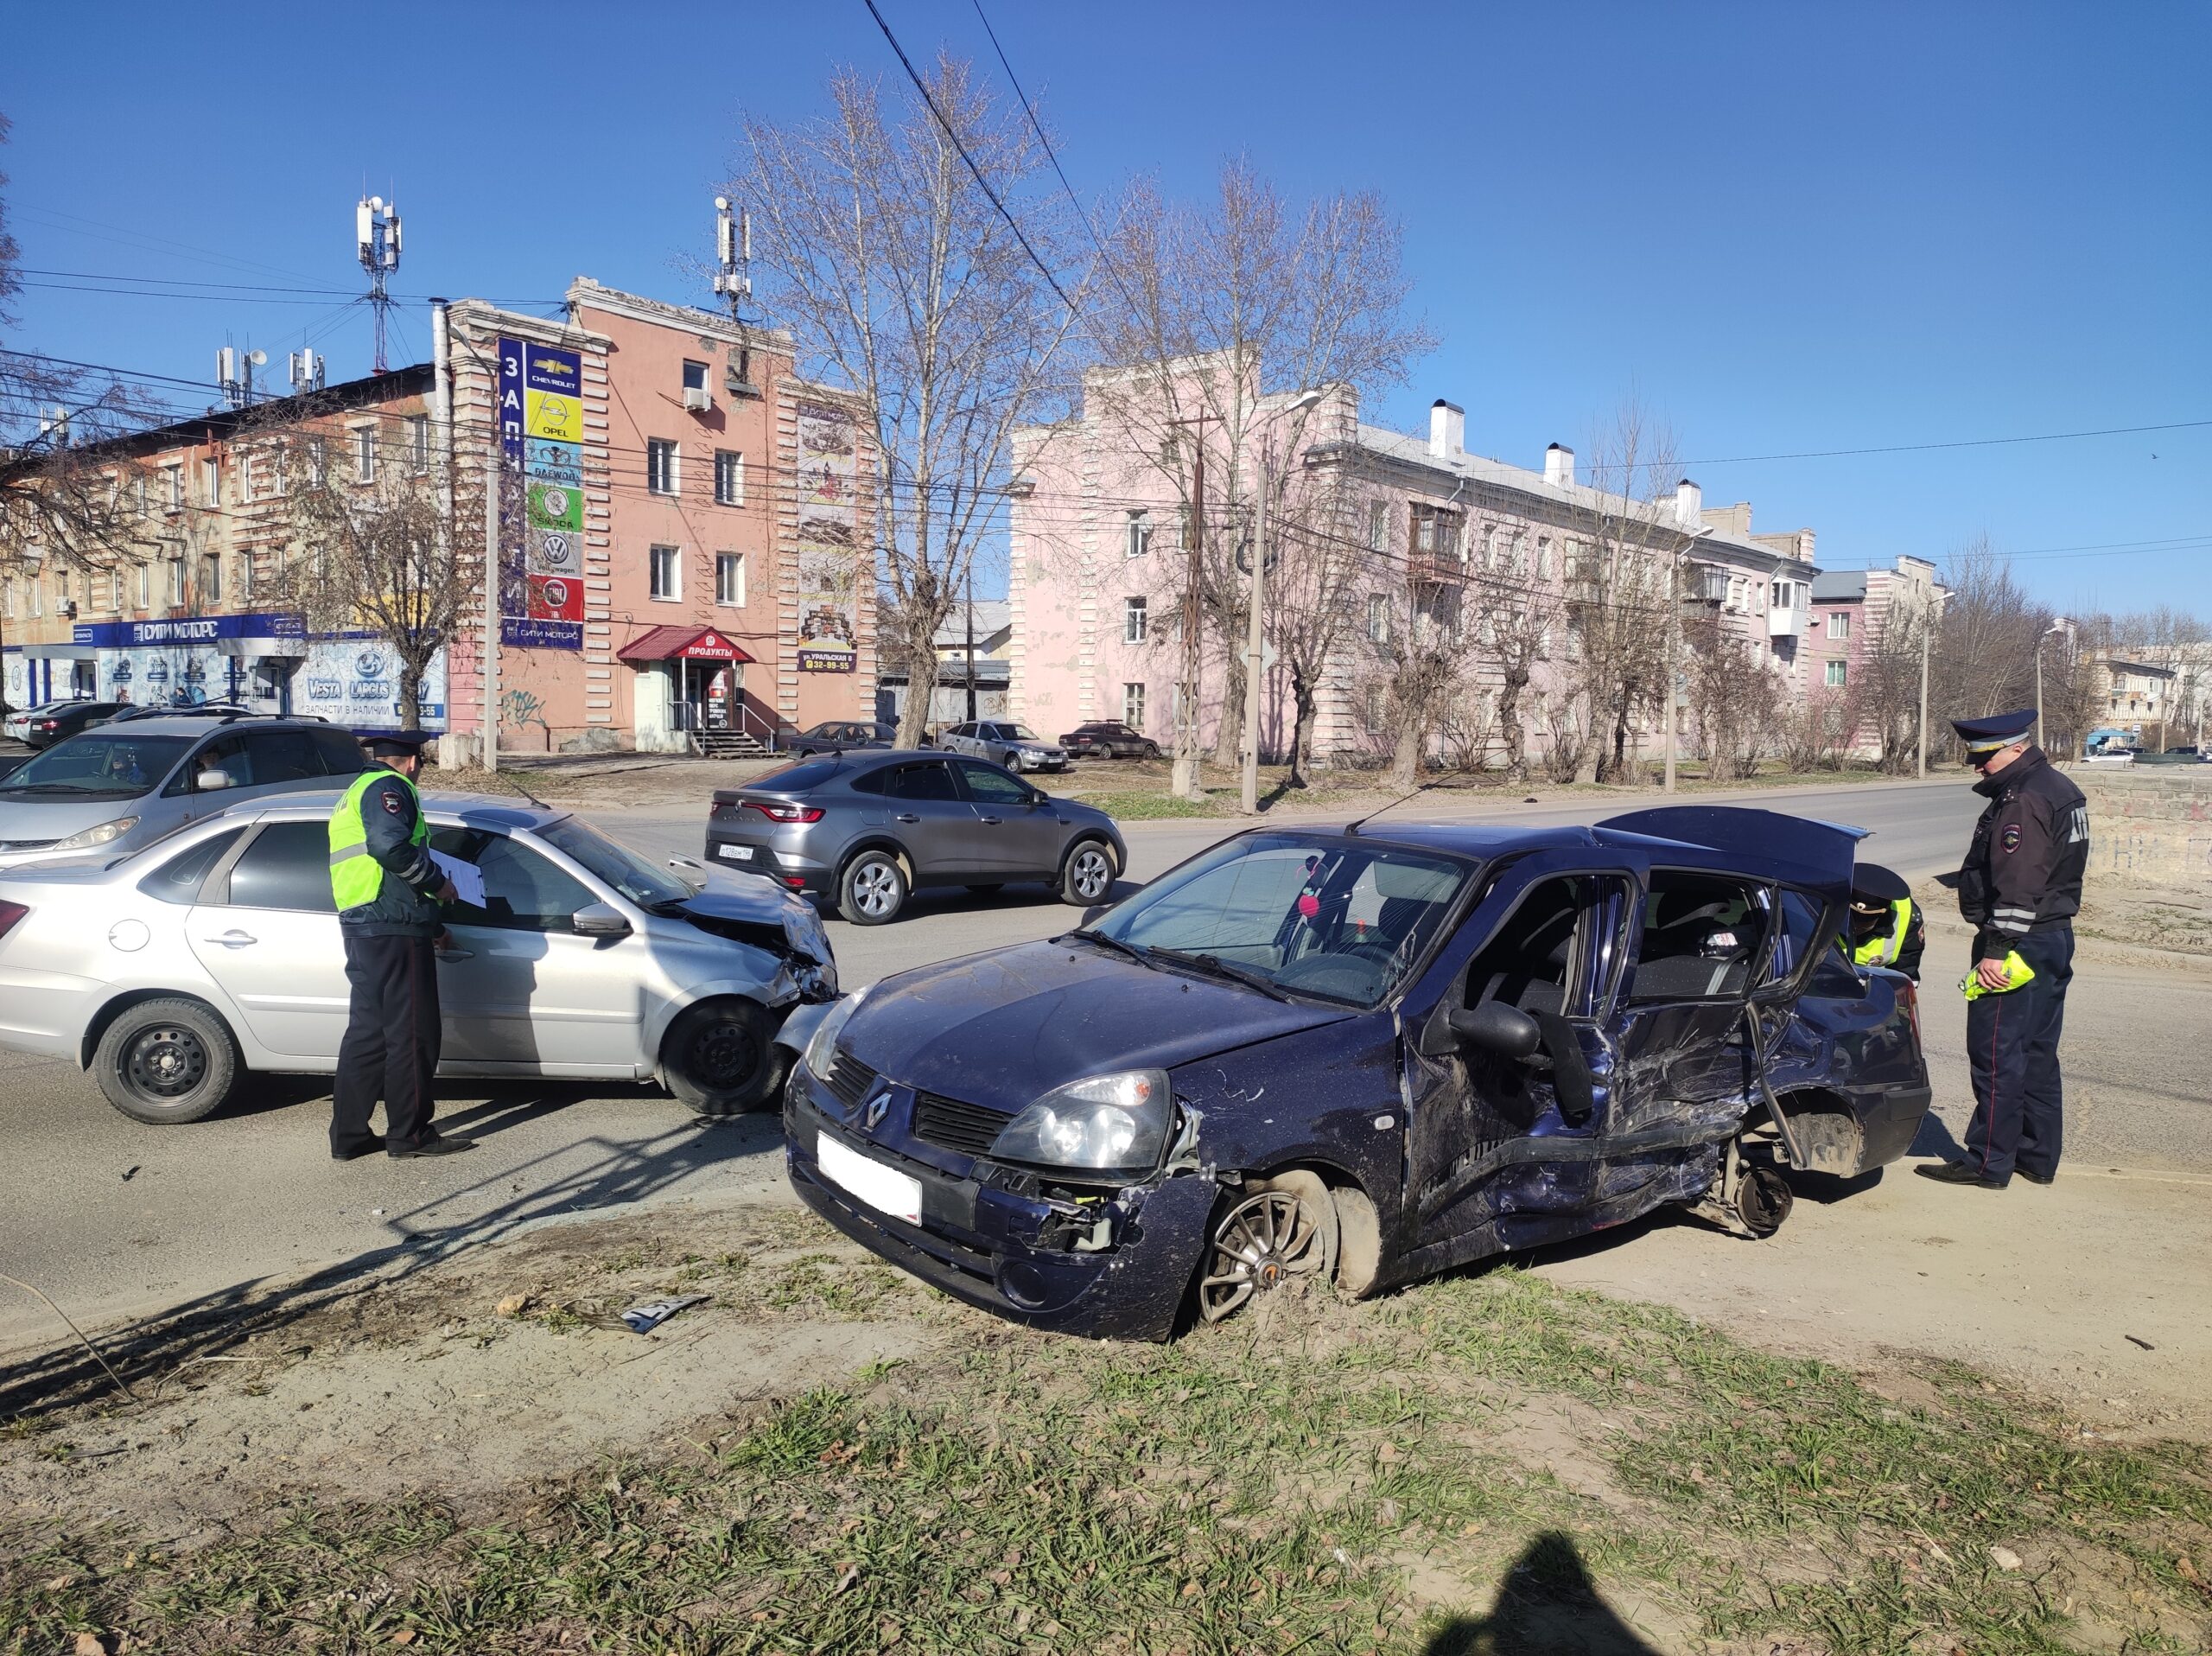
{"x": 1927, "y": 631}
{"x": 1675, "y": 648}
{"x": 494, "y": 470}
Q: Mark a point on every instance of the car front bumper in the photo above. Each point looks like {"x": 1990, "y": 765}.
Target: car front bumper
{"x": 984, "y": 1244}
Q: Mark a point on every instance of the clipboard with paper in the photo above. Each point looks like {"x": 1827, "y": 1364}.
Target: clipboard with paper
{"x": 468, "y": 879}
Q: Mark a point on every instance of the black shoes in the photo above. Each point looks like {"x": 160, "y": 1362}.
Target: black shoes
{"x": 2037, "y": 1178}
{"x": 1959, "y": 1173}
{"x": 355, "y": 1152}
{"x": 430, "y": 1145}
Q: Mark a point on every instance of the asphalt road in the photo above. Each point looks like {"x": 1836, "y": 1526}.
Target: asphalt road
{"x": 113, "y": 1219}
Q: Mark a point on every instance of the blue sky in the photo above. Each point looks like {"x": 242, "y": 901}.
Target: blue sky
{"x": 1785, "y": 228}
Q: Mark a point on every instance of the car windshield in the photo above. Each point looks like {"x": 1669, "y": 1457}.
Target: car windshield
{"x": 96, "y": 763}
{"x": 1319, "y": 916}
{"x": 628, "y": 873}
{"x": 1018, "y": 733}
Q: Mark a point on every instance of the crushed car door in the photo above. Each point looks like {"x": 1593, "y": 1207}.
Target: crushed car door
{"x": 1500, "y": 1151}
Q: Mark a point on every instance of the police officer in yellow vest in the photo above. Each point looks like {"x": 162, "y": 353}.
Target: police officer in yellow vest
{"x": 1886, "y": 929}
{"x": 388, "y": 891}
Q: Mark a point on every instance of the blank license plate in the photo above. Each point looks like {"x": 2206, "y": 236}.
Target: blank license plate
{"x": 736, "y": 853}
{"x": 886, "y": 1190}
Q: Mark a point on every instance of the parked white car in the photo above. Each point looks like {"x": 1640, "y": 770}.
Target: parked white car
{"x": 170, "y": 972}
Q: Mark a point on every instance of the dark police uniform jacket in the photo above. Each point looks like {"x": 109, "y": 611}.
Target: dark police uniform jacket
{"x": 2023, "y": 870}
{"x": 404, "y": 907}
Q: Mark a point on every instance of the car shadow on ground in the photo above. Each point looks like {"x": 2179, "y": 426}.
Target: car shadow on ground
{"x": 514, "y": 1197}
{"x": 959, "y": 900}
{"x": 1546, "y": 1605}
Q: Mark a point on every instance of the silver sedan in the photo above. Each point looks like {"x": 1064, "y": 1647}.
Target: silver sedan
{"x": 172, "y": 972}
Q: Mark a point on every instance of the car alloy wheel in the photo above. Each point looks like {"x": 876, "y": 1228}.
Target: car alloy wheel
{"x": 1090, "y": 872}
{"x": 873, "y": 889}
{"x": 1283, "y": 1230}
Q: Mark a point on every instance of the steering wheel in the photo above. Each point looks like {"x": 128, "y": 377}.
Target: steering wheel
{"x": 1381, "y": 950}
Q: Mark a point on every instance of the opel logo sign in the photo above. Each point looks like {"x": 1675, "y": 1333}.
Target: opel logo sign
{"x": 876, "y": 1107}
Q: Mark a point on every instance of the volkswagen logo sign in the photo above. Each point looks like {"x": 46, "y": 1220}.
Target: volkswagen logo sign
{"x": 876, "y": 1107}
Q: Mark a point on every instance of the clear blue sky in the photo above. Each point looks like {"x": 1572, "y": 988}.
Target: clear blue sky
{"x": 1785, "y": 227}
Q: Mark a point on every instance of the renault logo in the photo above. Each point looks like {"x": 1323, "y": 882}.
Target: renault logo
{"x": 876, "y": 1106}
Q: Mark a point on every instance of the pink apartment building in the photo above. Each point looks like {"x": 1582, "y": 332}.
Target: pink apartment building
{"x": 1097, "y": 564}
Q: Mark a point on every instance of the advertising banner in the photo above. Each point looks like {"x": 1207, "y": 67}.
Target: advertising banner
{"x": 541, "y": 438}
{"x": 829, "y": 553}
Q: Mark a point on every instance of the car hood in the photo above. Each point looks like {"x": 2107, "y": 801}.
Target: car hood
{"x": 999, "y": 1030}
{"x": 56, "y": 816}
{"x": 742, "y": 901}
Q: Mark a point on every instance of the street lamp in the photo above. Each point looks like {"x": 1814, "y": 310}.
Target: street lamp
{"x": 2057, "y": 629}
{"x": 1674, "y": 642}
{"x": 1255, "y": 632}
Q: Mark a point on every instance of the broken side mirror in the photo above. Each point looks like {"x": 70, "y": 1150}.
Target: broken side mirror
{"x": 1495, "y": 1027}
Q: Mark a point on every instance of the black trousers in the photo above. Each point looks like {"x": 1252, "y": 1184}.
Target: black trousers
{"x": 2013, "y": 1048}
{"x": 390, "y": 1048}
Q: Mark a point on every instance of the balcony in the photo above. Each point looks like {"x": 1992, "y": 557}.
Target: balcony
{"x": 1785, "y": 622}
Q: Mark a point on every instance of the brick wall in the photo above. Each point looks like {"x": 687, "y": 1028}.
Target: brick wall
{"x": 2152, "y": 826}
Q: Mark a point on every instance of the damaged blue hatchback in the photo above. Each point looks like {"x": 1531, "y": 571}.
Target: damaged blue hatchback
{"x": 1355, "y": 1057}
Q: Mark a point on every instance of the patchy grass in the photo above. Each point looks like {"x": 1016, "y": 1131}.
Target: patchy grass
{"x": 1461, "y": 1468}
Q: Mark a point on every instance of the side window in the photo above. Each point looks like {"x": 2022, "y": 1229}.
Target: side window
{"x": 524, "y": 891}
{"x": 178, "y": 879}
{"x": 964, "y": 730}
{"x": 341, "y": 754}
{"x": 874, "y": 782}
{"x": 989, "y": 785}
{"x": 288, "y": 866}
{"x": 932, "y": 780}
{"x": 1796, "y": 935}
{"x": 1701, "y": 934}
{"x": 225, "y": 756}
{"x": 1535, "y": 961}
{"x": 283, "y": 756}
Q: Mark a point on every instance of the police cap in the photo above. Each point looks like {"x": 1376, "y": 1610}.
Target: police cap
{"x": 385, "y": 744}
{"x": 1997, "y": 730}
{"x": 1873, "y": 886}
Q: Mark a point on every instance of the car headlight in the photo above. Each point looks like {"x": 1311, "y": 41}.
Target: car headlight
{"x": 823, "y": 1041}
{"x": 1114, "y": 1123}
{"x": 85, "y": 839}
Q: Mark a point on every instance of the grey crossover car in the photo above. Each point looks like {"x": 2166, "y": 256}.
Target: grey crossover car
{"x": 170, "y": 973}
{"x": 866, "y": 829}
{"x": 126, "y": 784}
{"x": 1015, "y": 746}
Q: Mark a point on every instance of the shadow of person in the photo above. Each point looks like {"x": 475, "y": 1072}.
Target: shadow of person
{"x": 1933, "y": 1138}
{"x": 1546, "y": 1605}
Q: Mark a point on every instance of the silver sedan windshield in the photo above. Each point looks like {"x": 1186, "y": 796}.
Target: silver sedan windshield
{"x": 628, "y": 873}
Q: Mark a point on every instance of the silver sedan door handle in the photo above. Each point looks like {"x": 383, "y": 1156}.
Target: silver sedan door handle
{"x": 234, "y": 939}
{"x": 456, "y": 954}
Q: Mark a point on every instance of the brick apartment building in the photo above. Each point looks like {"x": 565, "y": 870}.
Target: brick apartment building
{"x": 689, "y": 566}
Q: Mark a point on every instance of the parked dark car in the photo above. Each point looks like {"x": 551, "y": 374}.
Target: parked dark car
{"x": 59, "y": 721}
{"x": 1108, "y": 739}
{"x": 867, "y": 828}
{"x": 1365, "y": 1057}
{"x": 839, "y": 735}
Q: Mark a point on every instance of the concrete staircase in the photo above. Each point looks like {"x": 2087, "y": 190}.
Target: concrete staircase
{"x": 728, "y": 744}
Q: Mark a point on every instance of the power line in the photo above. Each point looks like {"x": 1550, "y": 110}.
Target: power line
{"x": 1922, "y": 448}
{"x": 981, "y": 183}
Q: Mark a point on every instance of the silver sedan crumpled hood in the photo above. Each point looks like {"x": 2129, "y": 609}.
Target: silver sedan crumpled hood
{"x": 755, "y": 900}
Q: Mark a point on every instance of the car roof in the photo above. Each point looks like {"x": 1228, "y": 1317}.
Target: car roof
{"x": 194, "y": 724}
{"x": 486, "y": 810}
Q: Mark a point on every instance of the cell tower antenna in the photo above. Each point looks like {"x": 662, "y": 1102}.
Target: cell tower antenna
{"x": 376, "y": 236}
{"x": 734, "y": 282}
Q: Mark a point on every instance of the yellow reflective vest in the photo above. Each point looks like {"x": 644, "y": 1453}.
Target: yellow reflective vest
{"x": 356, "y": 877}
{"x": 1882, "y": 947}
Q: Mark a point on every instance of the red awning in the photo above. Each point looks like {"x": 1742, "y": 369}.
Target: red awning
{"x": 681, "y": 644}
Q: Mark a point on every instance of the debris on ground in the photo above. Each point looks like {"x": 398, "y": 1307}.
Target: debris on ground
{"x": 650, "y": 1314}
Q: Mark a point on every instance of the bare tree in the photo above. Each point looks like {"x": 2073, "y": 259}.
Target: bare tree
{"x": 1623, "y": 530}
{"x": 903, "y": 282}
{"x": 1421, "y": 659}
{"x": 1735, "y": 694}
{"x": 371, "y": 554}
{"x": 1312, "y": 587}
{"x": 1207, "y": 313}
{"x": 1522, "y": 623}
{"x": 1985, "y": 644}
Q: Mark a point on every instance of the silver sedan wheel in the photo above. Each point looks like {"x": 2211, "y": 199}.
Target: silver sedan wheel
{"x": 1090, "y": 873}
{"x": 875, "y": 889}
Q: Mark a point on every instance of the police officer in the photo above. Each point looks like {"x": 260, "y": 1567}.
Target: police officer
{"x": 1886, "y": 929}
{"x": 388, "y": 891}
{"x": 2020, "y": 888}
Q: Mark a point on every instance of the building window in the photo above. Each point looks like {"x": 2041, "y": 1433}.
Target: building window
{"x": 1378, "y": 618}
{"x": 364, "y": 454}
{"x": 1489, "y": 547}
{"x": 695, "y": 379}
{"x": 211, "y": 579}
{"x": 418, "y": 442}
{"x": 1376, "y": 708}
{"x": 660, "y": 465}
{"x": 1839, "y": 624}
{"x": 8, "y": 598}
{"x": 1543, "y": 558}
{"x": 1133, "y": 620}
{"x": 318, "y": 462}
{"x": 176, "y": 579}
{"x": 1378, "y": 524}
{"x": 172, "y": 489}
{"x": 145, "y": 586}
{"x": 246, "y": 577}
{"x": 211, "y": 481}
{"x": 1140, "y": 533}
{"x": 1133, "y": 706}
{"x": 1436, "y": 534}
{"x": 1570, "y": 563}
{"x": 729, "y": 477}
{"x": 1837, "y": 671}
{"x": 729, "y": 579}
{"x": 667, "y": 573}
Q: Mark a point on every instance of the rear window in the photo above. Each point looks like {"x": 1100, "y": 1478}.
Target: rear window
{"x": 178, "y": 879}
{"x": 341, "y": 754}
{"x": 797, "y": 779}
